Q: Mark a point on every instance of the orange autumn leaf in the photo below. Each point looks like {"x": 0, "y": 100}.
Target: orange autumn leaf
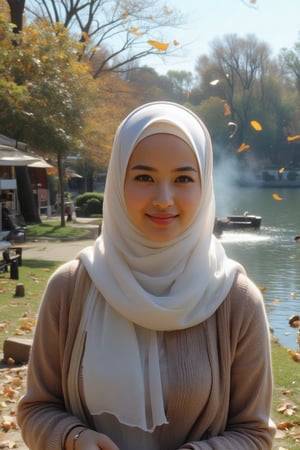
{"x": 135, "y": 31}
{"x": 293, "y": 138}
{"x": 159, "y": 45}
{"x": 256, "y": 125}
{"x": 294, "y": 355}
{"x": 277, "y": 197}
{"x": 281, "y": 170}
{"x": 284, "y": 425}
{"x": 227, "y": 110}
{"x": 262, "y": 288}
{"x": 243, "y": 147}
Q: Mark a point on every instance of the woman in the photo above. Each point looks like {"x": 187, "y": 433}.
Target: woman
{"x": 152, "y": 339}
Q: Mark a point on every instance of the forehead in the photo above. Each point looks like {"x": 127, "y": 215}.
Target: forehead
{"x": 161, "y": 146}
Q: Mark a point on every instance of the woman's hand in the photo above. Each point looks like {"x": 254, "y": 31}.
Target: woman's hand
{"x": 89, "y": 440}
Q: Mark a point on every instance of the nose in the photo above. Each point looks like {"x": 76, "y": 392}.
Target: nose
{"x": 163, "y": 196}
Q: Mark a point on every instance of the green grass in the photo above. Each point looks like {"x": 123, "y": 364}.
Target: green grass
{"x": 286, "y": 392}
{"x": 18, "y": 314}
{"x": 52, "y": 229}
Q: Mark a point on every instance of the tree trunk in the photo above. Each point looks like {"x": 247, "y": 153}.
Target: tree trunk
{"x": 16, "y": 13}
{"x": 25, "y": 195}
{"x": 62, "y": 190}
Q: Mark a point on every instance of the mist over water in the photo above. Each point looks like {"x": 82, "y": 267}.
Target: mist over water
{"x": 270, "y": 255}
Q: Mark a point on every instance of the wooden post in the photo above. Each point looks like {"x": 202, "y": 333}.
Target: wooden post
{"x": 20, "y": 290}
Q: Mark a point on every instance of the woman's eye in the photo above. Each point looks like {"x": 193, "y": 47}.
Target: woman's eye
{"x": 184, "y": 179}
{"x": 143, "y": 177}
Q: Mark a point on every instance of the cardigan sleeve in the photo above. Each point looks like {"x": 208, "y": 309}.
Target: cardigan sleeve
{"x": 42, "y": 415}
{"x": 248, "y": 423}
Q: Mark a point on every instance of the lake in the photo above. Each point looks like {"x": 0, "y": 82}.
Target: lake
{"x": 270, "y": 255}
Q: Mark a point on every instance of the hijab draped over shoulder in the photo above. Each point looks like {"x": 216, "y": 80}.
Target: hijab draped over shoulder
{"x": 159, "y": 286}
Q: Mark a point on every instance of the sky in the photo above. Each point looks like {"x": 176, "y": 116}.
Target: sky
{"x": 276, "y": 22}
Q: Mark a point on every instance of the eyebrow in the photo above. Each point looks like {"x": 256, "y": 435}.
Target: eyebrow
{"x": 151, "y": 169}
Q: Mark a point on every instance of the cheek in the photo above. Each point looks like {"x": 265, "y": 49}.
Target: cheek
{"x": 134, "y": 197}
{"x": 190, "y": 202}
{"x": 191, "y": 197}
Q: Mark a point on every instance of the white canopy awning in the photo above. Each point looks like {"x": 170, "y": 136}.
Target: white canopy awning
{"x": 10, "y": 156}
{"x": 41, "y": 164}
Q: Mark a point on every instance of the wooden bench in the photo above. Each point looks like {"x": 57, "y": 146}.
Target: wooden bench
{"x": 12, "y": 258}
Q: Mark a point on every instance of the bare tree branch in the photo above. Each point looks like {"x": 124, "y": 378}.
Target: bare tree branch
{"x": 120, "y": 30}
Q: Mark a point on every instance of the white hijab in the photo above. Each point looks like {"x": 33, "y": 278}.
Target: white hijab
{"x": 158, "y": 286}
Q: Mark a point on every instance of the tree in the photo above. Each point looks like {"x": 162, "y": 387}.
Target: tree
{"x": 55, "y": 88}
{"x": 115, "y": 34}
{"x": 149, "y": 85}
{"x": 235, "y": 72}
{"x": 240, "y": 65}
{"x": 12, "y": 95}
{"x": 291, "y": 61}
{"x": 181, "y": 83}
{"x": 115, "y": 99}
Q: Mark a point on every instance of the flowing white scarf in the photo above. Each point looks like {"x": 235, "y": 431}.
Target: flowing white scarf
{"x": 148, "y": 286}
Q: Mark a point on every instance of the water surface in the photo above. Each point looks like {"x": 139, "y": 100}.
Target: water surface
{"x": 270, "y": 255}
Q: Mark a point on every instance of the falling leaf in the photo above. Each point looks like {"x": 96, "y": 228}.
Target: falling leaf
{"x": 176, "y": 43}
{"x": 293, "y": 294}
{"x": 135, "y": 31}
{"x": 256, "y": 125}
{"x": 276, "y": 301}
{"x": 235, "y": 125}
{"x": 159, "y": 45}
{"x": 262, "y": 288}
{"x": 277, "y": 197}
{"x": 214, "y": 82}
{"x": 227, "y": 110}
{"x": 293, "y": 138}
{"x": 281, "y": 170}
{"x": 243, "y": 147}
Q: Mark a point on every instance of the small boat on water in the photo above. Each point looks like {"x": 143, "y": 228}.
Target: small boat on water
{"x": 245, "y": 221}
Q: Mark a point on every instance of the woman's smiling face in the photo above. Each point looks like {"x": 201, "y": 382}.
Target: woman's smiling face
{"x": 162, "y": 187}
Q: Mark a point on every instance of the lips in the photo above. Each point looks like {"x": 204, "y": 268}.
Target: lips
{"x": 162, "y": 219}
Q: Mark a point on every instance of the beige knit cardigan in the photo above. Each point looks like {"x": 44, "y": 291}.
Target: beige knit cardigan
{"x": 236, "y": 339}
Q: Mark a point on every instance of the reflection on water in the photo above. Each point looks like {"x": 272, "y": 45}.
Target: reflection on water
{"x": 271, "y": 256}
